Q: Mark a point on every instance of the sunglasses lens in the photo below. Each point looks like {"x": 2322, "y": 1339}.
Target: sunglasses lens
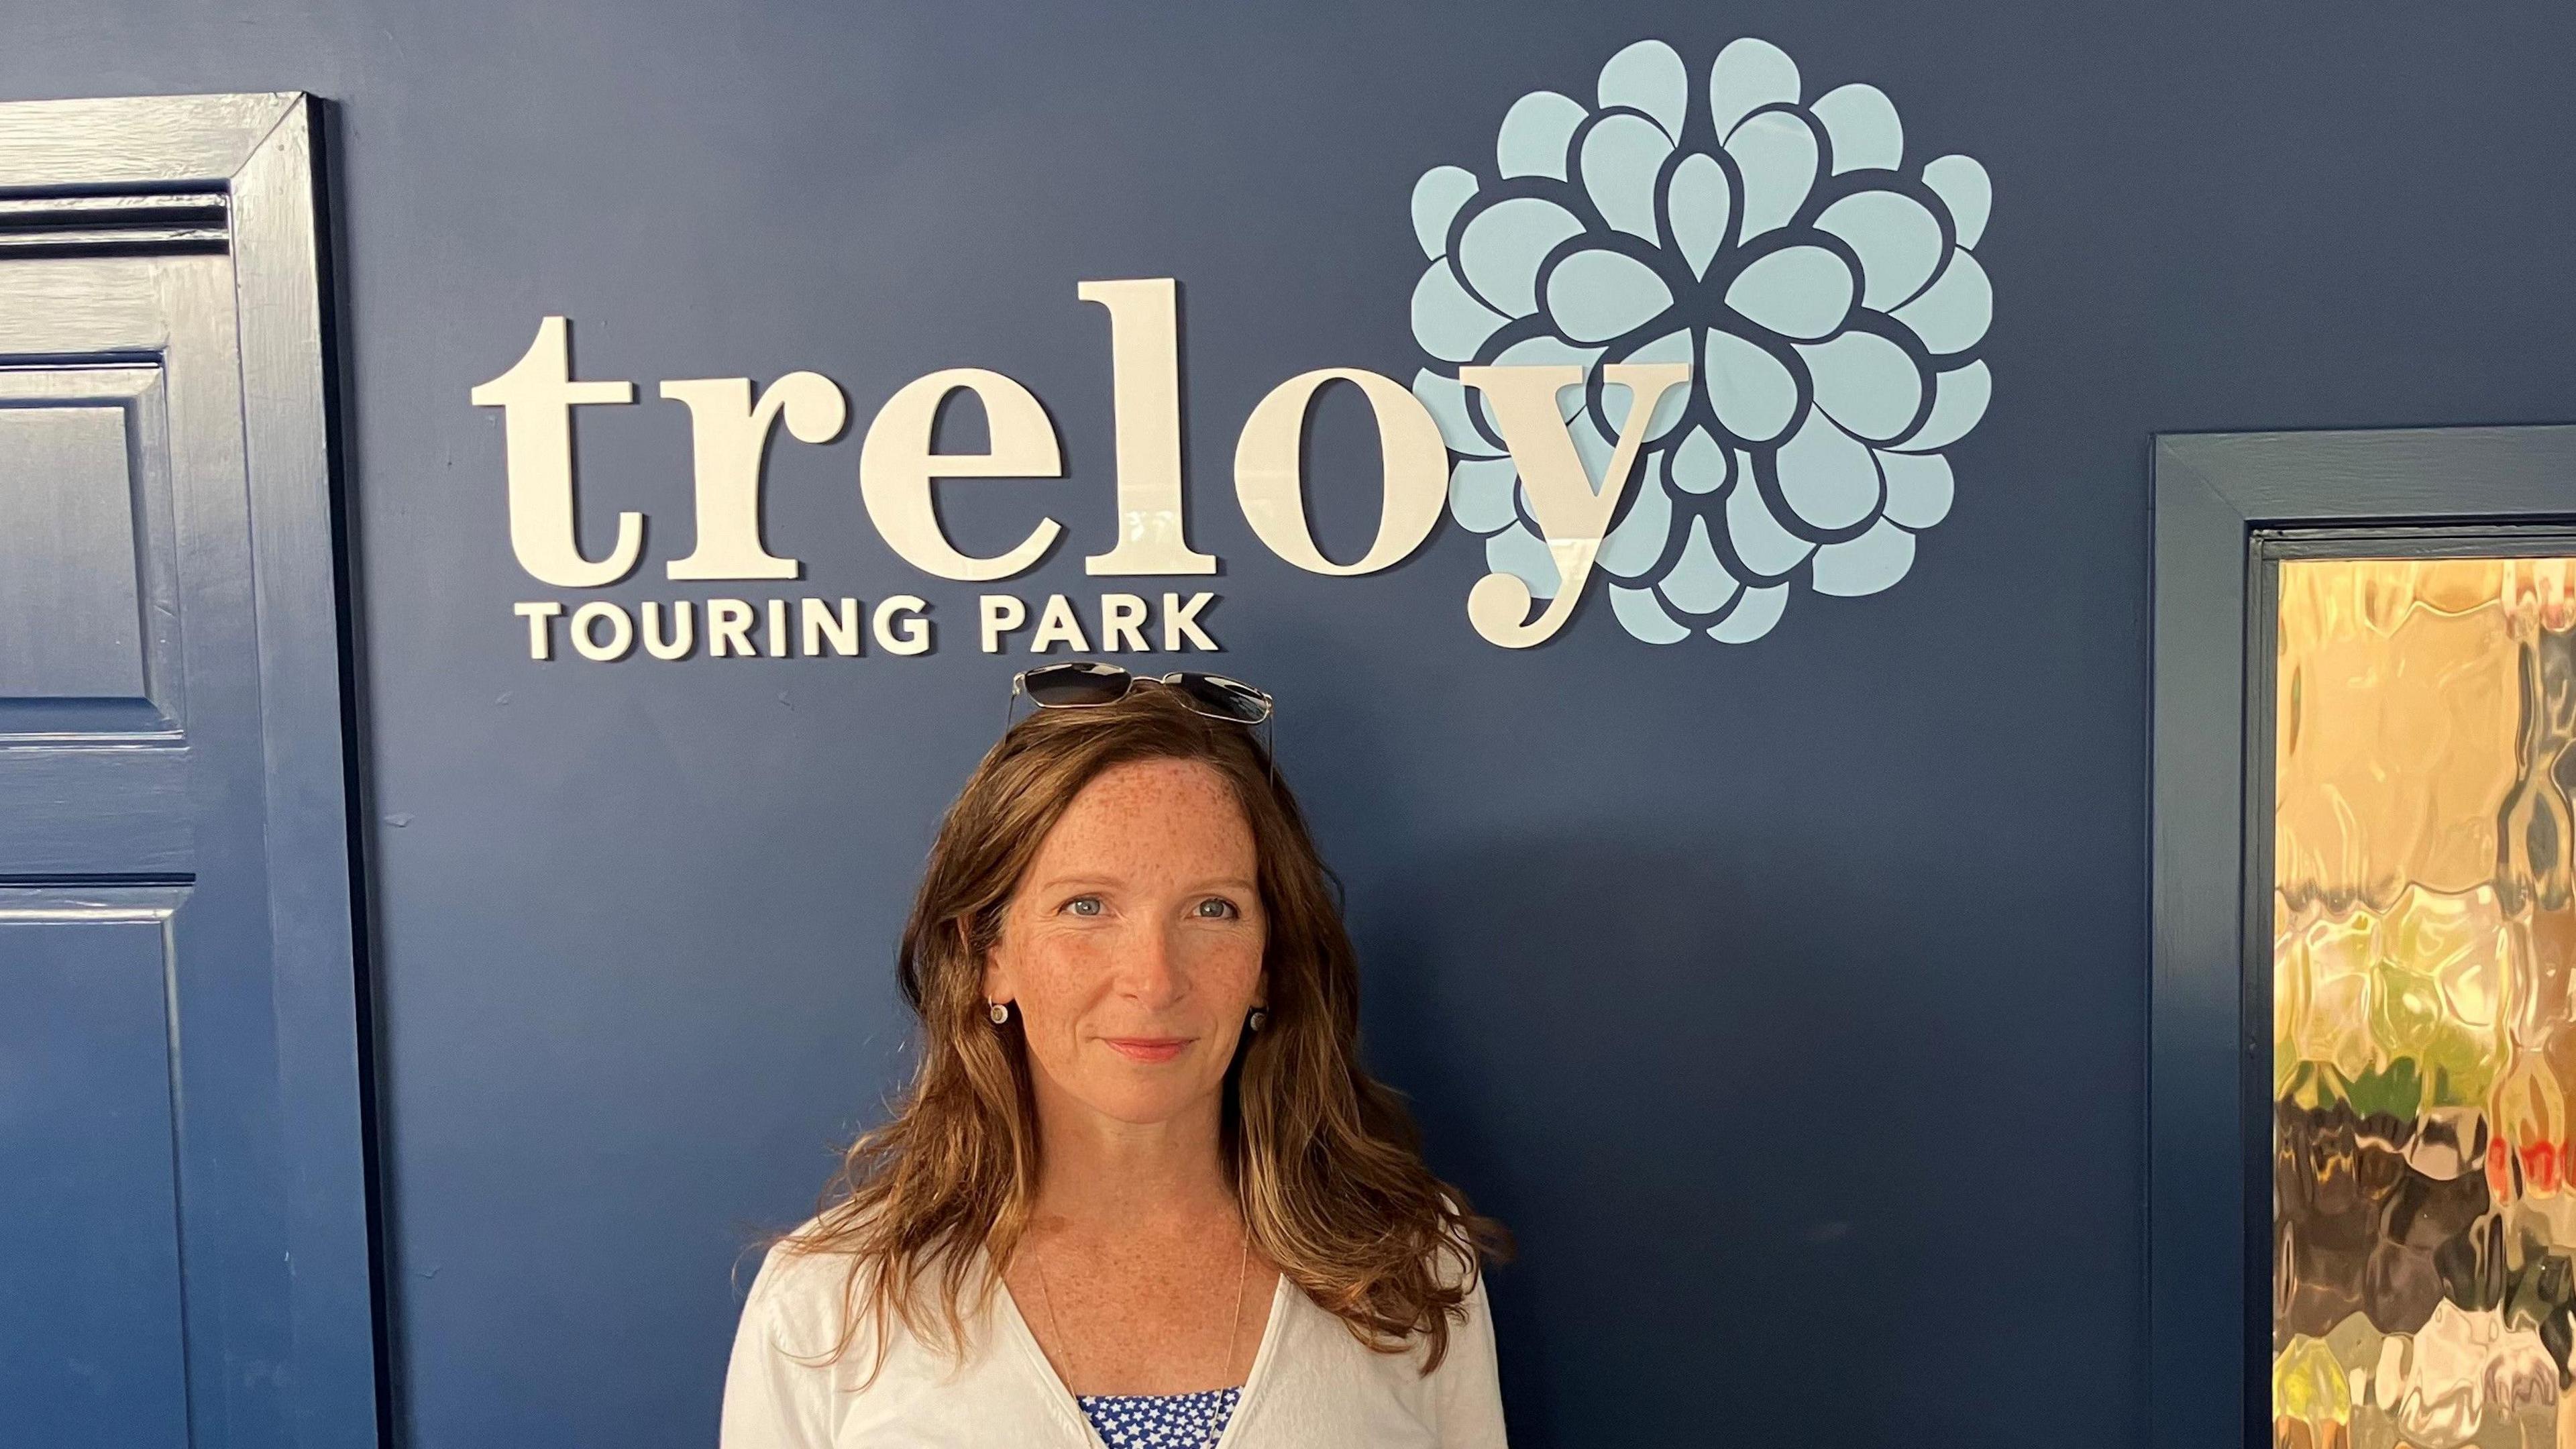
{"x": 1074, "y": 684}
{"x": 1224, "y": 698}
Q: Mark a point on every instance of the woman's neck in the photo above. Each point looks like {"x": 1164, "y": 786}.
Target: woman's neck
{"x": 1102, "y": 1174}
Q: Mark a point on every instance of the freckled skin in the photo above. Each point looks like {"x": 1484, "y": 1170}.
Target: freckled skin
{"x": 1139, "y": 918}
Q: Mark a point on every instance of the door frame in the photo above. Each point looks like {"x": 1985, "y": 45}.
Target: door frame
{"x": 2224, "y": 509}
{"x": 263, "y": 154}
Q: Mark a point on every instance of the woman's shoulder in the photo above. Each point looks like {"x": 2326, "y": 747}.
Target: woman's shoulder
{"x": 816, "y": 1285}
{"x": 1456, "y": 1263}
{"x": 807, "y": 1292}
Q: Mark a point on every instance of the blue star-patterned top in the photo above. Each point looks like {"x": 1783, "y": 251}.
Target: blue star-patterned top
{"x": 1160, "y": 1421}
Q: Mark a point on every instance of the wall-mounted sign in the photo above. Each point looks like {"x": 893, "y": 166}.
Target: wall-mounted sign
{"x": 1706, "y": 340}
{"x": 1828, "y": 305}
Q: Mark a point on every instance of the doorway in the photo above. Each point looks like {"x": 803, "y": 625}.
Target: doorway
{"x": 2362, "y": 1032}
{"x": 185, "y": 1258}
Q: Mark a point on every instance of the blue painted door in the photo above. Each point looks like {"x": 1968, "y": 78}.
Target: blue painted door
{"x": 171, "y": 1166}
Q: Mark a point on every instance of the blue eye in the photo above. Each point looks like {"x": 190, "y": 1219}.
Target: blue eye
{"x": 1224, "y": 909}
{"x": 1084, "y": 905}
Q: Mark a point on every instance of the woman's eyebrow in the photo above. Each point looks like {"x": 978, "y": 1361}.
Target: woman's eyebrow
{"x": 1226, "y": 882}
{"x": 1058, "y": 882}
{"x": 1062, "y": 882}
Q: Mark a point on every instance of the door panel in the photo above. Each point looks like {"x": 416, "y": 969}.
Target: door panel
{"x": 181, "y": 1109}
{"x": 85, "y": 1102}
{"x": 74, "y": 545}
{"x": 88, "y": 598}
{"x": 142, "y": 797}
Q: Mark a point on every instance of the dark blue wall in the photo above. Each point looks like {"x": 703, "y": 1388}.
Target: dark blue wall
{"x": 1786, "y": 999}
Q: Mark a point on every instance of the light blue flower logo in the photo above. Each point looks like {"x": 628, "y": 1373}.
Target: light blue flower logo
{"x": 1829, "y": 305}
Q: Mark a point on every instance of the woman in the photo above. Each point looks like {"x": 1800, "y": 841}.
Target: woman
{"x": 1141, "y": 1193}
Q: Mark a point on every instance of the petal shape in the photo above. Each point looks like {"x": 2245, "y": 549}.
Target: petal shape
{"x": 1801, "y": 292}
{"x": 1595, "y": 295}
{"x": 1518, "y": 551}
{"x": 1697, "y": 206}
{"x": 1445, "y": 398}
{"x": 1673, "y": 346}
{"x": 1698, "y": 465}
{"x": 1918, "y": 487}
{"x": 1864, "y": 565}
{"x": 1761, "y": 544}
{"x": 1436, "y": 199}
{"x": 1775, "y": 152}
{"x": 1897, "y": 240}
{"x": 1866, "y": 383}
{"x": 1480, "y": 494}
{"x": 1752, "y": 390}
{"x": 1827, "y": 476}
{"x": 1448, "y": 323}
{"x": 1953, "y": 312}
{"x": 1537, "y": 133}
{"x": 1749, "y": 74}
{"x": 1753, "y": 616}
{"x": 1542, "y": 350}
{"x": 1648, "y": 76}
{"x": 1698, "y": 582}
{"x": 1500, "y": 251}
{"x": 1640, "y": 615}
{"x": 1636, "y": 542}
{"x": 1967, "y": 190}
{"x": 1959, "y": 398}
{"x": 1622, "y": 156}
{"x": 1861, "y": 123}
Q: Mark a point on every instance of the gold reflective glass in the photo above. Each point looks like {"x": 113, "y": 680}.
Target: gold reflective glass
{"x": 2423, "y": 1031}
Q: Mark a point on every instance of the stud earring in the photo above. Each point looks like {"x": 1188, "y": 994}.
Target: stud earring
{"x": 1259, "y": 1018}
{"x": 999, "y": 1011}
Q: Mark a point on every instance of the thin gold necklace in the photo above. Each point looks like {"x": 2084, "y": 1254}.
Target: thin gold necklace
{"x": 1234, "y": 1329}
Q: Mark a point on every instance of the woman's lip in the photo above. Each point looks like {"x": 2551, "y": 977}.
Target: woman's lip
{"x": 1146, "y": 1048}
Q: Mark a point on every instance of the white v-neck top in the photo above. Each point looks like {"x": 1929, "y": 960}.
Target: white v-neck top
{"x": 1312, "y": 1386}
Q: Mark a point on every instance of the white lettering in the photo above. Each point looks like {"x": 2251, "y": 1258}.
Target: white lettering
{"x": 999, "y": 615}
{"x": 1181, "y": 620}
{"x": 621, "y": 631}
{"x": 821, "y": 623}
{"x": 896, "y": 468}
{"x": 683, "y": 636}
{"x": 536, "y": 398}
{"x": 1122, "y": 617}
{"x": 914, "y": 635}
{"x": 729, "y": 629}
{"x": 1145, "y": 398}
{"x": 730, "y": 437}
{"x": 1058, "y": 624}
{"x": 1573, "y": 513}
{"x": 1269, "y": 471}
{"x": 541, "y": 643}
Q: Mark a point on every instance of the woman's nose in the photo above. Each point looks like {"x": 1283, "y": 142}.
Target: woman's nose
{"x": 1150, "y": 968}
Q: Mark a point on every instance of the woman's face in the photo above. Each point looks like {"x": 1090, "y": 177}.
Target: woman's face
{"x": 1132, "y": 948}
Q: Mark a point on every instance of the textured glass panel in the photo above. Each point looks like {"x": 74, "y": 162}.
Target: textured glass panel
{"x": 2423, "y": 1033}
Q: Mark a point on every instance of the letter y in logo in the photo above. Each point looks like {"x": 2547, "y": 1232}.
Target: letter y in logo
{"x": 1573, "y": 512}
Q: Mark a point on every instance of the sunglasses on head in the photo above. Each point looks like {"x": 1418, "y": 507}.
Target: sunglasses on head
{"x": 1084, "y": 684}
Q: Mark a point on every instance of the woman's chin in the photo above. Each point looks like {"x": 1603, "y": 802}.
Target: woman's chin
{"x": 1140, "y": 1104}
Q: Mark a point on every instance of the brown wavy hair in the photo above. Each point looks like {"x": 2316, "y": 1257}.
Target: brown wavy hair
{"x": 1325, "y": 1163}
